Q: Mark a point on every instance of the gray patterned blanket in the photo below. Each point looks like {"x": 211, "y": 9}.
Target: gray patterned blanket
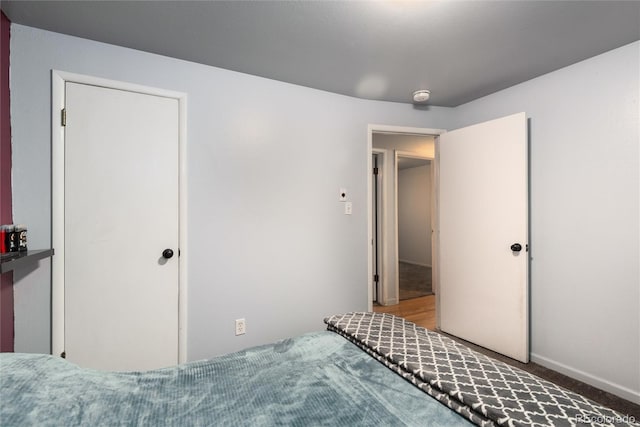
{"x": 483, "y": 390}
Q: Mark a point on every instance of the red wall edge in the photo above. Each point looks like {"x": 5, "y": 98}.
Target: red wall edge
{"x": 6, "y": 279}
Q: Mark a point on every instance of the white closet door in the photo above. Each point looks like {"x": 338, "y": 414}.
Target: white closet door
{"x": 121, "y": 213}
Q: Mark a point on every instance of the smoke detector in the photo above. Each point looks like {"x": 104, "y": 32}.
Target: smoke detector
{"x": 421, "y": 96}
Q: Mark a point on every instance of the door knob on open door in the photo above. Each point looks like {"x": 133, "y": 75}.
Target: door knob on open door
{"x": 167, "y": 253}
{"x": 516, "y": 247}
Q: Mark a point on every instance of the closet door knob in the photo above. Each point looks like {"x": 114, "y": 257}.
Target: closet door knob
{"x": 167, "y": 253}
{"x": 516, "y": 247}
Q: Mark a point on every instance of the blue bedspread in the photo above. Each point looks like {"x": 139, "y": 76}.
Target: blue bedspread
{"x": 315, "y": 379}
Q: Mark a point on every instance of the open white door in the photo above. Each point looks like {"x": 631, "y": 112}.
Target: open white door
{"x": 483, "y": 215}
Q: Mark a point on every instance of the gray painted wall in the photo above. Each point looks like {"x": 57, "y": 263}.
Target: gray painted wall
{"x": 414, "y": 214}
{"x": 268, "y": 239}
{"x": 584, "y": 157}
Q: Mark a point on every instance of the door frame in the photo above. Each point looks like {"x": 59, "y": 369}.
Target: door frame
{"x": 377, "y": 128}
{"x": 58, "y": 80}
{"x": 432, "y": 209}
{"x": 379, "y": 243}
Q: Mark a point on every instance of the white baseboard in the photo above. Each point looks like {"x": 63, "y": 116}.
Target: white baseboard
{"x": 602, "y": 384}
{"x": 414, "y": 263}
{"x": 392, "y": 301}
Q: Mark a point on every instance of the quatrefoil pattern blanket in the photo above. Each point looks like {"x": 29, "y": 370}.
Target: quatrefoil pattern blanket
{"x": 482, "y": 389}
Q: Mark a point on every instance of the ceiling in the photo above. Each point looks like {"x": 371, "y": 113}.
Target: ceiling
{"x": 383, "y": 50}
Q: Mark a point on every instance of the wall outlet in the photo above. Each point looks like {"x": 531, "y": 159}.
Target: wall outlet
{"x": 241, "y": 327}
{"x": 348, "y": 208}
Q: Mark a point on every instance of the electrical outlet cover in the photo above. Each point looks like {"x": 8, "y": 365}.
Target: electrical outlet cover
{"x": 241, "y": 327}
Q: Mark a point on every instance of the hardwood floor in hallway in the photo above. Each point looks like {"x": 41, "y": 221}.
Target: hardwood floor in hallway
{"x": 421, "y": 310}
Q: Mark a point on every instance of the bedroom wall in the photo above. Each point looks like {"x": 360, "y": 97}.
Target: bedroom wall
{"x": 414, "y": 215}
{"x": 585, "y": 281}
{"x": 268, "y": 240}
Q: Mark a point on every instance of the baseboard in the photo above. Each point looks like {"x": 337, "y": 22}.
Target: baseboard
{"x": 602, "y": 384}
{"x": 392, "y": 301}
{"x": 414, "y": 263}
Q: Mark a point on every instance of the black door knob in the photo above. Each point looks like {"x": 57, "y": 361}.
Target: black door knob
{"x": 516, "y": 247}
{"x": 167, "y": 253}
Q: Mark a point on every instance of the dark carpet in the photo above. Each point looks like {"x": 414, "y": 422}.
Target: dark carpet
{"x": 415, "y": 280}
{"x": 619, "y": 404}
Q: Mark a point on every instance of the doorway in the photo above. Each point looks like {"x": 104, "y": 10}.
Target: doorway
{"x": 481, "y": 238}
{"x": 409, "y": 147}
{"x": 119, "y": 282}
{"x": 408, "y": 184}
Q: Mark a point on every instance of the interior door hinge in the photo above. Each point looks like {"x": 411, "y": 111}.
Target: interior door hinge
{"x": 63, "y": 117}
{"x": 376, "y": 278}
{"x": 375, "y": 171}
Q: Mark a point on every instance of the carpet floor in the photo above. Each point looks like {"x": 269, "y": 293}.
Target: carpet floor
{"x": 415, "y": 280}
{"x": 422, "y": 311}
{"x": 625, "y": 407}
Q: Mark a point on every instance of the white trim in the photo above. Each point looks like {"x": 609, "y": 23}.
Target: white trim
{"x": 371, "y": 129}
{"x": 383, "y": 156}
{"x": 392, "y": 301}
{"x": 115, "y": 84}
{"x": 406, "y": 130}
{"x": 369, "y": 221}
{"x": 182, "y": 229}
{"x": 602, "y": 384}
{"x": 396, "y": 244}
{"x": 412, "y": 155}
{"x": 58, "y": 80}
{"x": 57, "y": 214}
{"x": 435, "y": 238}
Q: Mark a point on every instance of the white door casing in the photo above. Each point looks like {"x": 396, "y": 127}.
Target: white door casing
{"x": 118, "y": 203}
{"x": 377, "y": 235}
{"x": 483, "y": 210}
{"x": 385, "y": 251}
{"x": 381, "y": 247}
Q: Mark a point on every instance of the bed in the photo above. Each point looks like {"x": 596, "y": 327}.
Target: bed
{"x": 367, "y": 369}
